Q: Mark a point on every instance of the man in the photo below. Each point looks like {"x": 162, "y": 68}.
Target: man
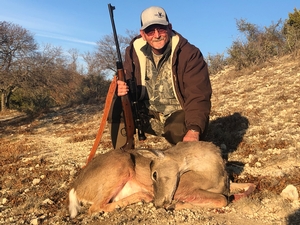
{"x": 172, "y": 79}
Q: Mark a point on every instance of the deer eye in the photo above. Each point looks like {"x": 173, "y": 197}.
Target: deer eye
{"x": 154, "y": 176}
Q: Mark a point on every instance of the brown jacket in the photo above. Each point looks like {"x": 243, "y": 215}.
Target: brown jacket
{"x": 191, "y": 81}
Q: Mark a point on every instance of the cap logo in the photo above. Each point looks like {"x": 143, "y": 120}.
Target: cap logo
{"x": 159, "y": 15}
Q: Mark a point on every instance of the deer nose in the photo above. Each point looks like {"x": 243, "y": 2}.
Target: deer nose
{"x": 171, "y": 206}
{"x": 163, "y": 203}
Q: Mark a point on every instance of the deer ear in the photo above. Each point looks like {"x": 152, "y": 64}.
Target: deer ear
{"x": 150, "y": 153}
{"x": 159, "y": 153}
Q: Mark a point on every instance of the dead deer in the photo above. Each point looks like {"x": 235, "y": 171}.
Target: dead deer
{"x": 187, "y": 175}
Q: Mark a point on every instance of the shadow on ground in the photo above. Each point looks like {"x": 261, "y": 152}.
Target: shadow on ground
{"x": 294, "y": 219}
{"x": 227, "y": 133}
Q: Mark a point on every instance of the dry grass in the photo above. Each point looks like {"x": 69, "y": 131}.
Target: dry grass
{"x": 255, "y": 120}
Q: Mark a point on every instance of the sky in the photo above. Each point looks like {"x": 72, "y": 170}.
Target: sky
{"x": 79, "y": 24}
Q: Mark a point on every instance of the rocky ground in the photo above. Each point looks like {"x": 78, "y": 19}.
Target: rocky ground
{"x": 255, "y": 120}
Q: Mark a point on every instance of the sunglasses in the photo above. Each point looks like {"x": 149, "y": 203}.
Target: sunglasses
{"x": 151, "y": 30}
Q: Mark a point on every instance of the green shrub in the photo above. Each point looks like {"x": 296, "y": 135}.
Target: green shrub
{"x": 216, "y": 63}
{"x": 31, "y": 103}
{"x": 257, "y": 45}
{"x": 292, "y": 31}
{"x": 92, "y": 89}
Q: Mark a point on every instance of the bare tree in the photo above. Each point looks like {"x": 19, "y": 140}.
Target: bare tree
{"x": 105, "y": 57}
{"x": 74, "y": 57}
{"x": 44, "y": 76}
{"x": 16, "y": 46}
{"x": 106, "y": 52}
{"x": 92, "y": 63}
{"x": 51, "y": 72}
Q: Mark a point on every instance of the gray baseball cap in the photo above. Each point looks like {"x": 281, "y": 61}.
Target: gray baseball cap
{"x": 153, "y": 15}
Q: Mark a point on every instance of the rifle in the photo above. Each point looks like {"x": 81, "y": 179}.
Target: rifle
{"x": 137, "y": 110}
{"x": 126, "y": 103}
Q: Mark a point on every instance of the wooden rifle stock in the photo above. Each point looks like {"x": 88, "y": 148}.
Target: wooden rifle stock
{"x": 127, "y": 114}
{"x": 126, "y": 103}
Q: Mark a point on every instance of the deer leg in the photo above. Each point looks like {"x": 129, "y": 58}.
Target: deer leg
{"x": 200, "y": 198}
{"x": 192, "y": 192}
{"x": 136, "y": 197}
{"x": 243, "y": 189}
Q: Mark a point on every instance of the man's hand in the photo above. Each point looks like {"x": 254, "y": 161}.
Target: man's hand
{"x": 191, "y": 135}
{"x": 122, "y": 88}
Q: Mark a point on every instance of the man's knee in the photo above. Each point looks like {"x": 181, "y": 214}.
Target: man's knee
{"x": 175, "y": 129}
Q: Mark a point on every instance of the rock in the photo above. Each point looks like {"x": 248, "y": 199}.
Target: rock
{"x": 4, "y": 200}
{"x": 48, "y": 201}
{"x": 36, "y": 181}
{"x": 258, "y": 164}
{"x": 290, "y": 192}
{"x": 34, "y": 222}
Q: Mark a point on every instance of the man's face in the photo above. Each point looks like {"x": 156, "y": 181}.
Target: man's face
{"x": 157, "y": 35}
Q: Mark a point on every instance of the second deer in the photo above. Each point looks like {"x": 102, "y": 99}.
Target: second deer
{"x": 187, "y": 175}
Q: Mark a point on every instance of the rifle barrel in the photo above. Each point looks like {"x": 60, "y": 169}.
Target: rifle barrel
{"x": 111, "y": 13}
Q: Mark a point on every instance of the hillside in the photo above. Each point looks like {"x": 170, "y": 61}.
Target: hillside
{"x": 255, "y": 120}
